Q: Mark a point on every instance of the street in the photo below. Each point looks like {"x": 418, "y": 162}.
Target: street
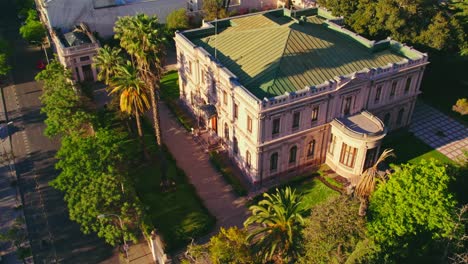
{"x": 54, "y": 238}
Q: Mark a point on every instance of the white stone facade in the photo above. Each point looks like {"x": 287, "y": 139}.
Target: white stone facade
{"x": 290, "y": 133}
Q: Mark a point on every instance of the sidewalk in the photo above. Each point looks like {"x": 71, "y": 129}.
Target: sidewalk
{"x": 439, "y": 131}
{"x": 216, "y": 194}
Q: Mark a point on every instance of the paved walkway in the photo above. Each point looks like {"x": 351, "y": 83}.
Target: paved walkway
{"x": 439, "y": 131}
{"x": 217, "y": 195}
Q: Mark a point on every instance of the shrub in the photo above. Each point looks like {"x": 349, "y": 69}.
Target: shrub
{"x": 219, "y": 164}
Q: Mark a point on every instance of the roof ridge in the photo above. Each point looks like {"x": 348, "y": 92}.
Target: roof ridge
{"x": 282, "y": 57}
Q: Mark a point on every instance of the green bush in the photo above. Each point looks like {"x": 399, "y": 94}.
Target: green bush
{"x": 217, "y": 162}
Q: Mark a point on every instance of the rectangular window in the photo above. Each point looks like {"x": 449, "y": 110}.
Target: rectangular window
{"x": 347, "y": 105}
{"x": 378, "y": 92}
{"x": 408, "y": 85}
{"x": 236, "y": 111}
{"x": 249, "y": 124}
{"x": 331, "y": 147}
{"x": 315, "y": 112}
{"x": 393, "y": 90}
{"x": 225, "y": 98}
{"x": 275, "y": 127}
{"x": 85, "y": 58}
{"x": 203, "y": 76}
{"x": 248, "y": 159}
{"x": 190, "y": 66}
{"x": 348, "y": 155}
{"x": 213, "y": 86}
{"x": 311, "y": 148}
{"x": 296, "y": 119}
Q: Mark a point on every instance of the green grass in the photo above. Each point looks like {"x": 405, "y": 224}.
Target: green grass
{"x": 313, "y": 190}
{"x": 410, "y": 149}
{"x": 226, "y": 171}
{"x": 170, "y": 94}
{"x": 178, "y": 213}
{"x": 333, "y": 182}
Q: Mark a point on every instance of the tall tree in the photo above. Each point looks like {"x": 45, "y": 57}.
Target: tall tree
{"x": 368, "y": 181}
{"x": 178, "y": 19}
{"x": 275, "y": 225}
{"x": 214, "y": 9}
{"x": 413, "y": 210}
{"x": 143, "y": 38}
{"x": 92, "y": 180}
{"x": 107, "y": 61}
{"x": 61, "y": 103}
{"x": 131, "y": 91}
{"x": 33, "y": 30}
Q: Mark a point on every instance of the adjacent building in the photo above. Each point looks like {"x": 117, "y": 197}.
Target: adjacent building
{"x": 75, "y": 50}
{"x": 100, "y": 15}
{"x": 290, "y": 90}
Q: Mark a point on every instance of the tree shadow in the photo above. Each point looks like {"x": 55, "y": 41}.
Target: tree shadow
{"x": 52, "y": 234}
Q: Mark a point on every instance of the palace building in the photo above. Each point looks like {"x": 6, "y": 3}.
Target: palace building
{"x": 288, "y": 90}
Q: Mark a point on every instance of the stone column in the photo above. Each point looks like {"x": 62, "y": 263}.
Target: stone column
{"x": 80, "y": 73}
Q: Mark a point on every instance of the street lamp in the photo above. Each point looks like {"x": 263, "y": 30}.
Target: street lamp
{"x": 102, "y": 216}
{"x": 43, "y": 47}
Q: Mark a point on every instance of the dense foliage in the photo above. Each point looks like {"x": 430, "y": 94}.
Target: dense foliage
{"x": 93, "y": 159}
{"x": 276, "y": 224}
{"x": 428, "y": 23}
{"x": 332, "y": 231}
{"x": 4, "y": 67}
{"x": 413, "y": 210}
{"x": 61, "y": 103}
{"x": 214, "y": 9}
{"x": 33, "y": 30}
{"x": 178, "y": 19}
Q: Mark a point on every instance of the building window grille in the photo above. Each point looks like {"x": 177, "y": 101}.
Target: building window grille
{"x": 348, "y": 155}
{"x": 296, "y": 119}
{"x": 315, "y": 112}
{"x": 293, "y": 155}
{"x": 274, "y": 161}
{"x": 408, "y": 85}
{"x": 311, "y": 148}
{"x": 249, "y": 124}
{"x": 276, "y": 127}
{"x": 378, "y": 92}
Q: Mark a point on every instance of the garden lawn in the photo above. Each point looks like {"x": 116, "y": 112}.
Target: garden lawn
{"x": 170, "y": 95}
{"x": 315, "y": 192}
{"x": 410, "y": 149}
{"x": 178, "y": 213}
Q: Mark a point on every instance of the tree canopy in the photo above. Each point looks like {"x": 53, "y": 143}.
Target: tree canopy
{"x": 178, "y": 19}
{"x": 412, "y": 209}
{"x": 33, "y": 30}
{"x": 332, "y": 231}
{"x": 423, "y": 23}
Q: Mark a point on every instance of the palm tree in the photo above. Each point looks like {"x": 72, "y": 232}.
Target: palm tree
{"x": 132, "y": 91}
{"x": 107, "y": 61}
{"x": 143, "y": 38}
{"x": 276, "y": 225}
{"x": 368, "y": 181}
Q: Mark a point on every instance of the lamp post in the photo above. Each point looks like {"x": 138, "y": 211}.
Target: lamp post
{"x": 102, "y": 216}
{"x": 43, "y": 47}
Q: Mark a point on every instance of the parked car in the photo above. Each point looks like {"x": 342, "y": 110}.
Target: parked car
{"x": 41, "y": 65}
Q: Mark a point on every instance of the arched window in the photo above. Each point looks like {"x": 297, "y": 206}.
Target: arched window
{"x": 400, "y": 116}
{"x": 292, "y": 154}
{"x": 226, "y": 131}
{"x": 386, "y": 119}
{"x": 248, "y": 159}
{"x": 274, "y": 161}
{"x": 311, "y": 148}
{"x": 235, "y": 145}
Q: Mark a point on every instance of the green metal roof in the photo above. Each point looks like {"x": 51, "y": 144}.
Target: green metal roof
{"x": 272, "y": 54}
